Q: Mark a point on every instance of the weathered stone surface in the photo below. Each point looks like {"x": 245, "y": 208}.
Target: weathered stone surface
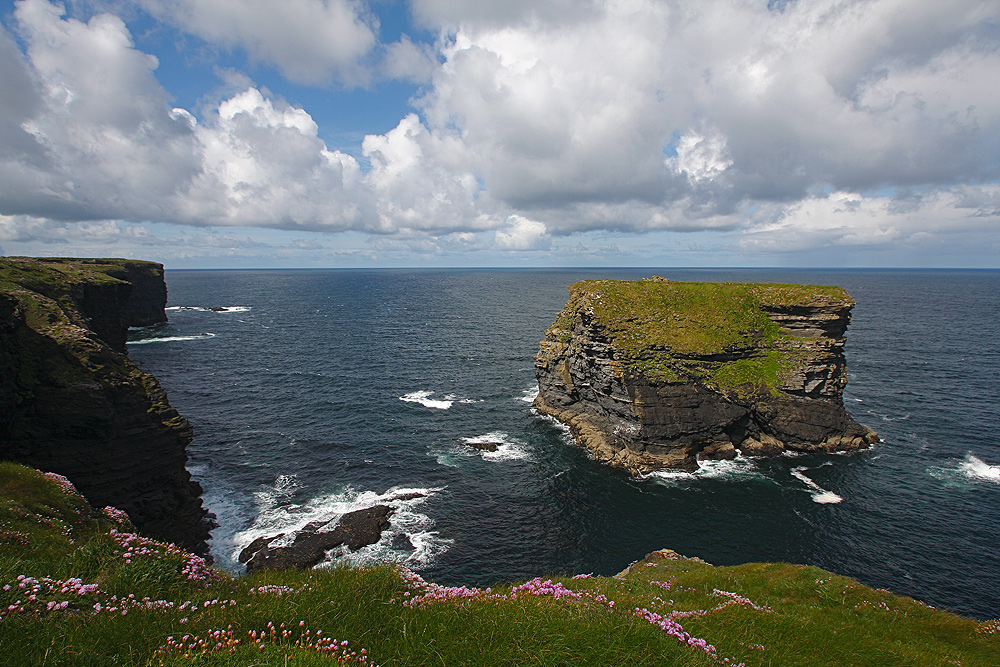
{"x": 71, "y": 402}
{"x": 657, "y": 374}
{"x": 309, "y": 545}
{"x": 482, "y": 446}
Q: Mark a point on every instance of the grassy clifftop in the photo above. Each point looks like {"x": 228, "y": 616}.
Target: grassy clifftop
{"x": 720, "y": 333}
{"x": 77, "y": 587}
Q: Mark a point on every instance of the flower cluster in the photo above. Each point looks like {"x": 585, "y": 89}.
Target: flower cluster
{"x": 191, "y": 646}
{"x": 674, "y": 629}
{"x": 874, "y": 605}
{"x": 736, "y": 599}
{"x": 46, "y": 595}
{"x": 277, "y": 590}
{"x": 61, "y": 482}
{"x": 116, "y": 516}
{"x": 193, "y": 567}
{"x": 989, "y": 627}
{"x": 538, "y": 587}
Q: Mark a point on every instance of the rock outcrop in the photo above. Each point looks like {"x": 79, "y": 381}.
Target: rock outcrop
{"x": 308, "y": 546}
{"x": 656, "y": 374}
{"x": 71, "y": 402}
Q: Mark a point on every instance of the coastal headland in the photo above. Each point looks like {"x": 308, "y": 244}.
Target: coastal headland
{"x": 656, "y": 374}
{"x": 72, "y": 403}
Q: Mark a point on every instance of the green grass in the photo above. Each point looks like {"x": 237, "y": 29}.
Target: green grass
{"x": 717, "y": 333}
{"x": 757, "y": 614}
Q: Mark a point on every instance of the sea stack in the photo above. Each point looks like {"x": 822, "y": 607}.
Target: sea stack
{"x": 72, "y": 402}
{"x": 657, "y": 374}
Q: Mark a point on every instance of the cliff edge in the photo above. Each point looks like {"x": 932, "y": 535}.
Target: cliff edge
{"x": 656, "y": 374}
{"x": 71, "y": 402}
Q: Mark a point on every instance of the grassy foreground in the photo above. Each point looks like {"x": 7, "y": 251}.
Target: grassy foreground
{"x": 78, "y": 587}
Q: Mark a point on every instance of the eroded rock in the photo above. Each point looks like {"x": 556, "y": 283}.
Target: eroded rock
{"x": 656, "y": 374}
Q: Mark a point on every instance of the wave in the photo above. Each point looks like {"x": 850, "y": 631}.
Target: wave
{"x": 529, "y": 395}
{"x": 408, "y": 539}
{"x": 733, "y": 469}
{"x": 970, "y": 471}
{"x": 508, "y": 449}
{"x": 819, "y": 495}
{"x": 211, "y": 309}
{"x": 170, "y": 339}
{"x": 423, "y": 397}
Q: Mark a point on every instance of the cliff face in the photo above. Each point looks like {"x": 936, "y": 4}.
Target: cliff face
{"x": 657, "y": 374}
{"x": 71, "y": 402}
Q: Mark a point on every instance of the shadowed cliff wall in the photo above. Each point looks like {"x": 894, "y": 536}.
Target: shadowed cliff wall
{"x": 71, "y": 402}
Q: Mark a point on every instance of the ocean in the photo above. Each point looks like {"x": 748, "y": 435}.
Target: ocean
{"x": 316, "y": 392}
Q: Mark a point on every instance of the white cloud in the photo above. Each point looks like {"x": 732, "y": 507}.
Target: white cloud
{"x": 421, "y": 184}
{"x": 264, "y": 165}
{"x": 537, "y": 121}
{"x": 846, "y": 220}
{"x": 100, "y": 141}
{"x": 309, "y": 41}
{"x": 522, "y": 234}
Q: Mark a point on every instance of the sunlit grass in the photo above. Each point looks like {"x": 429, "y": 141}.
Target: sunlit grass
{"x": 94, "y": 594}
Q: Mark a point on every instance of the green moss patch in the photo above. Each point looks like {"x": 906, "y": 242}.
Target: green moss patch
{"x": 718, "y": 333}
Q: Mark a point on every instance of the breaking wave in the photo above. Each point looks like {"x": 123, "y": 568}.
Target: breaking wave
{"x": 213, "y": 309}
{"x": 970, "y": 471}
{"x": 508, "y": 448}
{"x": 409, "y": 539}
{"x": 170, "y": 339}
{"x": 734, "y": 469}
{"x": 423, "y": 397}
{"x": 819, "y": 494}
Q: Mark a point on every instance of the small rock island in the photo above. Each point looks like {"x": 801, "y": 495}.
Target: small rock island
{"x": 657, "y": 374}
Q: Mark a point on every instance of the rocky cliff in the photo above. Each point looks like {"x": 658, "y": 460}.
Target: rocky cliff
{"x": 71, "y": 402}
{"x": 658, "y": 374}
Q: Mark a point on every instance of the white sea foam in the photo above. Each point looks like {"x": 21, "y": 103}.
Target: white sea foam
{"x": 423, "y": 397}
{"x": 215, "y": 309}
{"x": 819, "y": 494}
{"x": 530, "y": 394}
{"x": 733, "y": 469}
{"x": 509, "y": 448}
{"x": 278, "y": 513}
{"x": 970, "y": 471}
{"x": 170, "y": 339}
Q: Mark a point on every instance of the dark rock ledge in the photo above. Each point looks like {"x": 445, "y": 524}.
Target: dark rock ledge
{"x": 307, "y": 546}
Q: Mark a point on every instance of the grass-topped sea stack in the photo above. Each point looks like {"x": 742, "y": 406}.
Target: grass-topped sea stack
{"x": 656, "y": 374}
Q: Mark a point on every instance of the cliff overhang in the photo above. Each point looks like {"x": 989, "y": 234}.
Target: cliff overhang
{"x": 657, "y": 374}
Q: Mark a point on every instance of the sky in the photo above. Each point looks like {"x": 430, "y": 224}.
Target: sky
{"x": 527, "y": 133}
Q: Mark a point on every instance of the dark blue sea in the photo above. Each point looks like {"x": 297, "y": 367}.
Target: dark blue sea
{"x": 321, "y": 391}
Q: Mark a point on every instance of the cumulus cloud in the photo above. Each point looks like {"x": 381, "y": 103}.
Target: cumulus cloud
{"x": 789, "y": 125}
{"x": 309, "y": 41}
{"x": 92, "y": 136}
{"x": 522, "y": 234}
{"x": 850, "y": 220}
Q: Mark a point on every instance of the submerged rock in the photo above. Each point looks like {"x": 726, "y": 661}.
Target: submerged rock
{"x": 309, "y": 545}
{"x": 656, "y": 374}
{"x": 483, "y": 446}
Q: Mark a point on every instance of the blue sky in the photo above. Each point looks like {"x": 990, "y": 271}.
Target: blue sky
{"x": 337, "y": 133}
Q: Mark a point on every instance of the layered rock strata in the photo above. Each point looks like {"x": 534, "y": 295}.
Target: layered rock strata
{"x": 657, "y": 374}
{"x": 71, "y": 402}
